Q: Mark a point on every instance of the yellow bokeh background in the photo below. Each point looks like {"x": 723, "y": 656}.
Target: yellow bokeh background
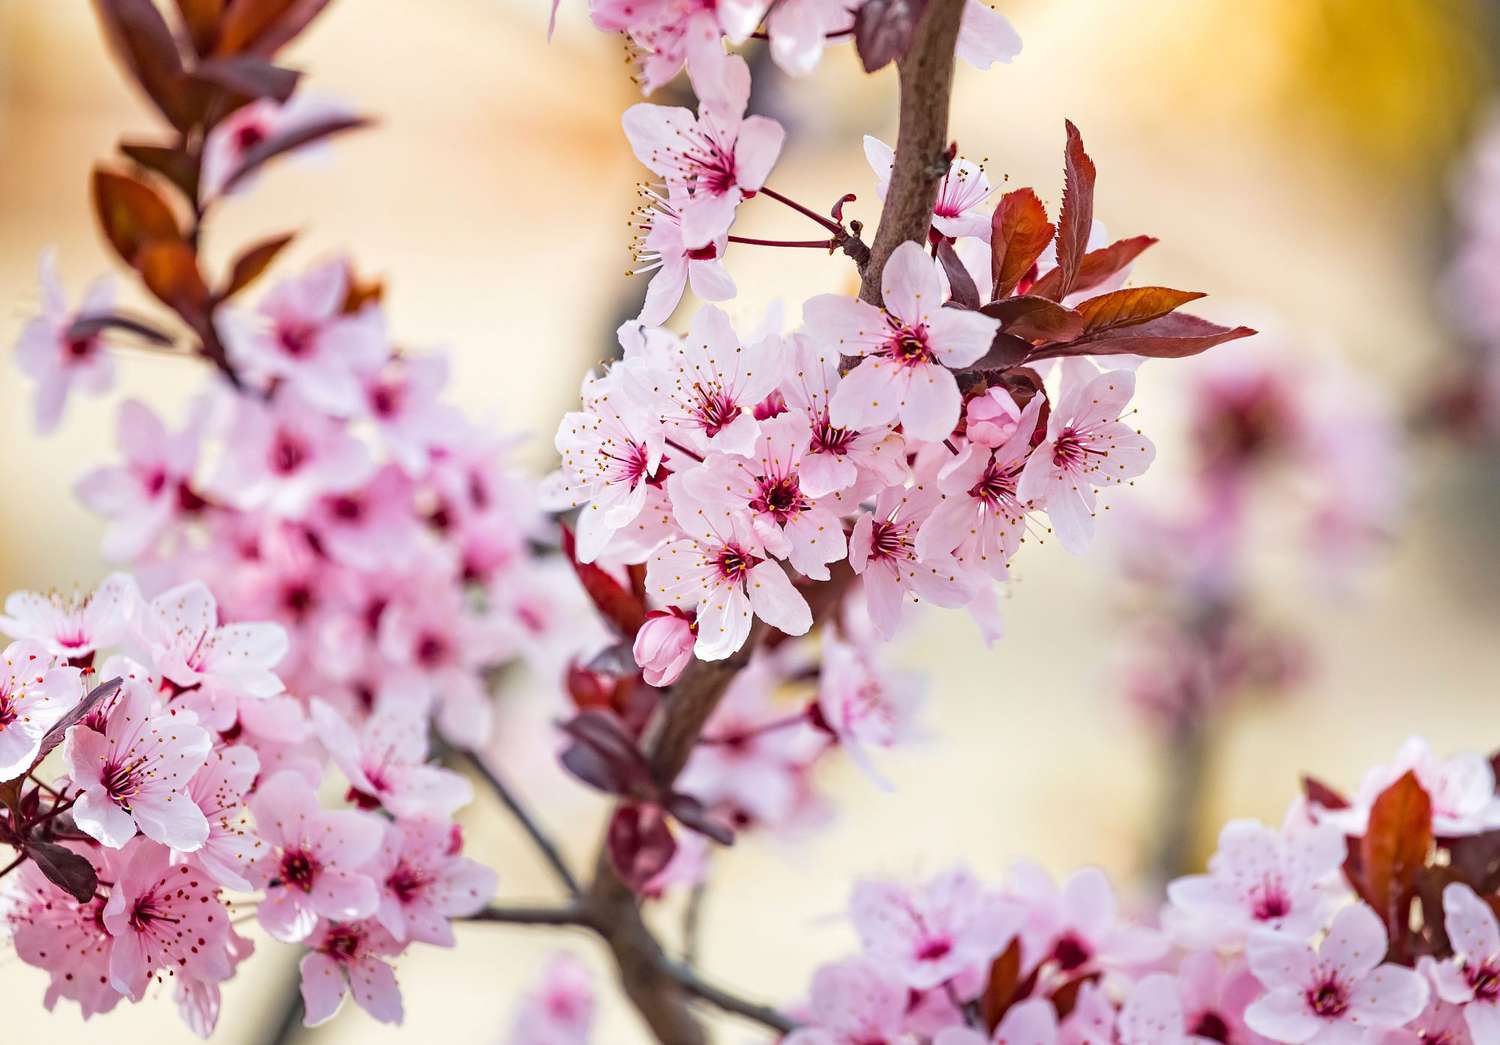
{"x": 1295, "y": 158}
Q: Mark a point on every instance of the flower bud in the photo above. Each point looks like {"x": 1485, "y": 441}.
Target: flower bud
{"x": 992, "y": 417}
{"x": 663, "y": 646}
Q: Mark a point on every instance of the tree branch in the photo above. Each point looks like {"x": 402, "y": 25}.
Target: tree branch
{"x": 699, "y": 988}
{"x": 539, "y": 837}
{"x": 571, "y": 915}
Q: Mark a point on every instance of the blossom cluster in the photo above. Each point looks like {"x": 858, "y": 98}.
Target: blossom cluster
{"x": 1302, "y": 933}
{"x": 153, "y": 833}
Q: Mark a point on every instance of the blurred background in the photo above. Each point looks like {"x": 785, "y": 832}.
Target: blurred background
{"x": 1298, "y": 159}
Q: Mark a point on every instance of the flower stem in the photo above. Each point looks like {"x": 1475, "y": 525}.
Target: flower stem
{"x": 820, "y": 244}
{"x": 827, "y": 223}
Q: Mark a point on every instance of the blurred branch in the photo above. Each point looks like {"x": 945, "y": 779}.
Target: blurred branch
{"x": 512, "y": 802}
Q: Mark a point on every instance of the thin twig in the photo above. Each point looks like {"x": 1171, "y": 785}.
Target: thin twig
{"x": 570, "y": 915}
{"x": 539, "y": 837}
{"x": 692, "y": 923}
{"x": 701, "y": 989}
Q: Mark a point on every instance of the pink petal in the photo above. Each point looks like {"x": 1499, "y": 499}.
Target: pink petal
{"x": 322, "y": 988}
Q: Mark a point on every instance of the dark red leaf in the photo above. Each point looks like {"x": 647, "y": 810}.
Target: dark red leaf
{"x": 883, "y": 30}
{"x": 169, "y": 268}
{"x": 960, "y": 283}
{"x": 1006, "y": 351}
{"x": 640, "y": 843}
{"x": 1019, "y": 232}
{"x": 201, "y": 19}
{"x": 75, "y": 715}
{"x": 1476, "y": 860}
{"x": 170, "y": 162}
{"x": 1098, "y": 266}
{"x": 1170, "y": 337}
{"x": 693, "y": 815}
{"x": 65, "y": 869}
{"x": 1320, "y": 794}
{"x": 1035, "y": 319}
{"x": 88, "y": 326}
{"x": 1077, "y": 218}
{"x": 1393, "y": 852}
{"x": 605, "y": 756}
{"x": 252, "y": 262}
{"x": 1000, "y": 986}
{"x": 620, "y": 605}
{"x": 143, "y": 41}
{"x": 1125, "y": 308}
{"x": 132, "y": 213}
{"x": 286, "y": 142}
{"x": 249, "y": 76}
{"x": 263, "y": 27}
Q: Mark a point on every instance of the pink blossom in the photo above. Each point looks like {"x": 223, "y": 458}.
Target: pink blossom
{"x": 1215, "y": 996}
{"x": 147, "y": 493}
{"x": 766, "y": 486}
{"x": 836, "y": 458}
{"x": 1086, "y": 446}
{"x": 55, "y": 359}
{"x": 720, "y": 570}
{"x": 132, "y": 775}
{"x": 191, "y": 648}
{"x": 705, "y": 387}
{"x": 660, "y": 248}
{"x": 863, "y": 705}
{"x": 854, "y": 1002}
{"x": 677, "y": 32}
{"x": 164, "y": 916}
{"x": 720, "y": 157}
{"x": 386, "y": 760}
{"x": 219, "y": 789}
{"x": 1336, "y": 993}
{"x": 962, "y": 191}
{"x": 929, "y": 933}
{"x": 435, "y": 635}
{"x": 799, "y": 30}
{"x": 985, "y": 36}
{"x": 883, "y": 551}
{"x": 560, "y": 1009}
{"x": 312, "y": 859}
{"x": 1259, "y": 880}
{"x": 302, "y": 336}
{"x": 1152, "y": 1015}
{"x": 992, "y": 418}
{"x": 285, "y": 455}
{"x": 664, "y": 646}
{"x": 981, "y": 520}
{"x": 52, "y": 931}
{"x": 73, "y": 627}
{"x": 425, "y": 883}
{"x": 34, "y": 696}
{"x": 349, "y": 957}
{"x": 403, "y": 400}
{"x": 1471, "y": 978}
{"x": 369, "y": 527}
{"x": 1031, "y": 1022}
{"x": 1438, "y": 1024}
{"x": 611, "y": 454}
{"x": 248, "y": 127}
{"x": 1461, "y": 788}
{"x": 908, "y": 347}
{"x": 1075, "y": 928}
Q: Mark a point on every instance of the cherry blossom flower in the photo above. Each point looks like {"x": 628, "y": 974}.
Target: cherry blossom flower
{"x": 1030, "y": 1022}
{"x": 883, "y": 552}
{"x": 720, "y": 157}
{"x": 371, "y": 526}
{"x": 432, "y": 633}
{"x": 705, "y": 387}
{"x": 981, "y": 520}
{"x": 1215, "y": 995}
{"x": 1471, "y": 978}
{"x": 560, "y": 1009}
{"x": 219, "y": 790}
{"x": 57, "y": 360}
{"x": 385, "y": 761}
{"x": 73, "y": 627}
{"x": 287, "y": 454}
{"x": 34, "y": 696}
{"x": 151, "y": 489}
{"x": 961, "y": 192}
{"x": 1259, "y": 880}
{"x": 992, "y": 418}
{"x": 929, "y": 933}
{"x": 403, "y": 400}
{"x": 611, "y": 454}
{"x": 250, "y": 126}
{"x": 985, "y": 36}
{"x": 720, "y": 569}
{"x": 836, "y": 457}
{"x": 1086, "y": 446}
{"x": 1075, "y": 927}
{"x": 854, "y": 1002}
{"x": 1461, "y": 788}
{"x": 191, "y": 648}
{"x": 312, "y": 859}
{"x": 674, "y": 33}
{"x": 767, "y": 488}
{"x": 132, "y": 774}
{"x": 660, "y": 248}
{"x": 664, "y": 646}
{"x": 53, "y": 931}
{"x": 1438, "y": 1024}
{"x": 349, "y": 957}
{"x": 425, "y": 883}
{"x": 863, "y": 705}
{"x": 164, "y": 916}
{"x": 1336, "y": 993}
{"x": 908, "y": 347}
{"x": 799, "y": 31}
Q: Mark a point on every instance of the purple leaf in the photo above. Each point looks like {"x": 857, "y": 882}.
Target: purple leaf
{"x": 65, "y": 869}
{"x": 883, "y": 30}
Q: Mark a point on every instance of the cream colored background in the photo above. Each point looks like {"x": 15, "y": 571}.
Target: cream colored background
{"x": 1289, "y": 153}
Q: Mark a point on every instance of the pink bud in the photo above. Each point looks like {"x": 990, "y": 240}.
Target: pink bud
{"x": 663, "y": 646}
{"x": 992, "y": 417}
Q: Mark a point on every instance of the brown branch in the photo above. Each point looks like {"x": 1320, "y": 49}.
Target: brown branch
{"x": 572, "y": 915}
{"x": 534, "y": 831}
